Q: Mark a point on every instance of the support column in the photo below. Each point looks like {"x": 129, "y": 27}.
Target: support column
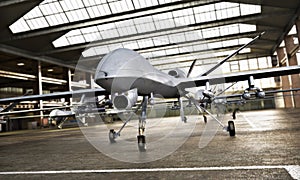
{"x": 291, "y": 48}
{"x": 288, "y": 103}
{"x": 68, "y": 86}
{"x": 298, "y": 28}
{"x": 40, "y": 91}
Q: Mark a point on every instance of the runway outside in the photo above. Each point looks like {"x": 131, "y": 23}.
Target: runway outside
{"x": 266, "y": 145}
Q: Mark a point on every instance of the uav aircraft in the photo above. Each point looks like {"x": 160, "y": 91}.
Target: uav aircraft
{"x": 125, "y": 75}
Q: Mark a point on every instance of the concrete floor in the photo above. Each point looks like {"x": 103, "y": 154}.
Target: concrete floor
{"x": 266, "y": 146}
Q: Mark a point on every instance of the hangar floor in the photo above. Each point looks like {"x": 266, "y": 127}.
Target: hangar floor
{"x": 266, "y": 145}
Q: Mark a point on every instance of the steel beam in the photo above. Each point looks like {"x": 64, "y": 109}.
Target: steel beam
{"x": 13, "y": 2}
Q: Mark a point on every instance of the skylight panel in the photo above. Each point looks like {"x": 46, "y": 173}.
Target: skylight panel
{"x": 163, "y": 21}
{"x": 200, "y": 47}
{"x": 126, "y": 28}
{"x": 195, "y": 35}
{"x": 35, "y": 12}
{"x": 119, "y": 6}
{"x": 159, "y": 53}
{"x": 62, "y": 41}
{"x": 20, "y": 26}
{"x": 101, "y": 50}
{"x": 112, "y": 47}
{"x": 93, "y": 11}
{"x": 177, "y": 38}
{"x": 184, "y": 17}
{"x": 51, "y": 8}
{"x": 144, "y": 3}
{"x": 166, "y": 1}
{"x": 67, "y": 11}
{"x": 144, "y": 24}
{"x": 223, "y": 10}
{"x": 91, "y": 34}
{"x": 160, "y": 40}
{"x": 184, "y": 50}
{"x": 247, "y": 9}
{"x": 172, "y": 51}
{"x": 37, "y": 23}
{"x": 76, "y": 39}
{"x": 211, "y": 32}
{"x": 231, "y": 29}
{"x": 244, "y": 65}
{"x": 228, "y": 11}
{"x": 131, "y": 45}
{"x": 71, "y": 4}
{"x": 145, "y": 43}
{"x": 247, "y": 27}
{"x": 76, "y": 15}
{"x": 89, "y": 52}
{"x": 293, "y": 30}
{"x": 110, "y": 33}
{"x": 167, "y": 21}
{"x": 147, "y": 55}
{"x": 56, "y": 19}
{"x": 232, "y": 42}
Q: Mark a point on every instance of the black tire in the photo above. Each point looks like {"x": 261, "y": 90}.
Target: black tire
{"x": 231, "y": 128}
{"x": 141, "y": 143}
{"x": 111, "y": 136}
{"x": 205, "y": 119}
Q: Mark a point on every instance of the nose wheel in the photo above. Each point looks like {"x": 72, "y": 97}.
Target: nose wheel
{"x": 141, "y": 143}
{"x": 112, "y": 135}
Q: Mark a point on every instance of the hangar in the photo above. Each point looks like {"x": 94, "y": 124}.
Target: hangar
{"x": 51, "y": 46}
{"x": 43, "y": 41}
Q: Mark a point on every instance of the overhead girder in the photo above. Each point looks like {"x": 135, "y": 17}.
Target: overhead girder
{"x": 268, "y": 3}
{"x": 30, "y": 55}
{"x": 4, "y": 3}
{"x": 287, "y": 28}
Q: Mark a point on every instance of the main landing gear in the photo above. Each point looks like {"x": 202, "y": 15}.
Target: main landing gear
{"x": 141, "y": 138}
{"x": 230, "y": 128}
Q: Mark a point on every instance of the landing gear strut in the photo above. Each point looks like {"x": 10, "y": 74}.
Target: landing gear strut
{"x": 230, "y": 128}
{"x": 112, "y": 135}
{"x": 141, "y": 129}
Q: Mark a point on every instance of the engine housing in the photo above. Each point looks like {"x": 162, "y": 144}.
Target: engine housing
{"x": 125, "y": 100}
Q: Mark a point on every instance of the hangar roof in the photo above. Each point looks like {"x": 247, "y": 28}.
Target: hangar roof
{"x": 170, "y": 33}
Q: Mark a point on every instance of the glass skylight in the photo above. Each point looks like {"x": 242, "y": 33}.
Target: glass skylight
{"x": 54, "y": 12}
{"x": 164, "y": 21}
{"x": 183, "y": 37}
